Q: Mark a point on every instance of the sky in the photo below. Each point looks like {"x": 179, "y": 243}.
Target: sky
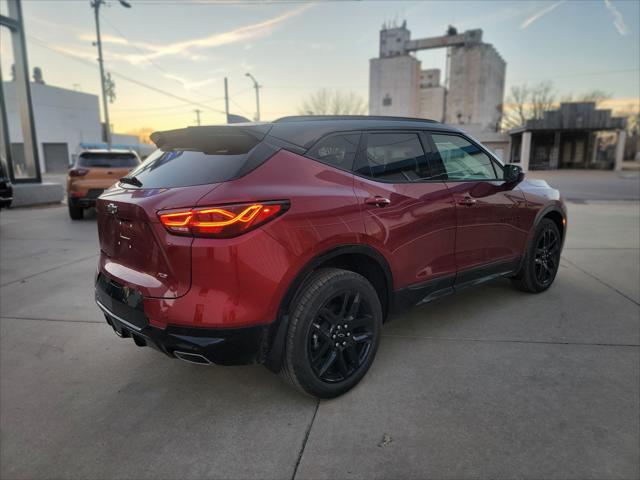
{"x": 170, "y": 57}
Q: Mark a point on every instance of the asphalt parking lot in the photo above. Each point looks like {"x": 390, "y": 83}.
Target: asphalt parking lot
{"x": 490, "y": 383}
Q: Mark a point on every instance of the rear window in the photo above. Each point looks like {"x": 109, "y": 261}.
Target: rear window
{"x": 183, "y": 168}
{"x": 108, "y": 160}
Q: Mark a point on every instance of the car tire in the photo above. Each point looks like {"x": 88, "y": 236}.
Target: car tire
{"x": 542, "y": 259}
{"x": 76, "y": 213}
{"x": 333, "y": 333}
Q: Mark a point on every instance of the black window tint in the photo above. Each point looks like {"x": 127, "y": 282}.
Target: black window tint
{"x": 462, "y": 159}
{"x": 180, "y": 168}
{"x": 337, "y": 150}
{"x": 108, "y": 160}
{"x": 395, "y": 157}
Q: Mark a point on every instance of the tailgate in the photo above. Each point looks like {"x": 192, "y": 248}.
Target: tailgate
{"x": 136, "y": 249}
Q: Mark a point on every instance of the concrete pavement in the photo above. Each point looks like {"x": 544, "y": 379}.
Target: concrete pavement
{"x": 490, "y": 383}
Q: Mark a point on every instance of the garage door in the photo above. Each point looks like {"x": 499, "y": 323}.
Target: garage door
{"x": 56, "y": 157}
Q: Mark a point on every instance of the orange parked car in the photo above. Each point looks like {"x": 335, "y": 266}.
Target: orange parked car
{"x": 94, "y": 172}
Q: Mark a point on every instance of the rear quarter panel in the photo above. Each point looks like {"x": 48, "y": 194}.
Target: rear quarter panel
{"x": 241, "y": 281}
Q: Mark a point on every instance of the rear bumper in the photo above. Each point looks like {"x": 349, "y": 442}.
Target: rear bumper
{"x": 232, "y": 346}
{"x": 82, "y": 202}
{"x": 86, "y": 200}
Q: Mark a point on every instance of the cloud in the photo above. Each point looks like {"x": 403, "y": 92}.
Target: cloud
{"x": 618, "y": 20}
{"x": 116, "y": 40}
{"x": 53, "y": 25}
{"x": 190, "y": 84}
{"x": 325, "y": 47}
{"x": 247, "y": 32}
{"x": 529, "y": 20}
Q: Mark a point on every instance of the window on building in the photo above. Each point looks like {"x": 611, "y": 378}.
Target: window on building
{"x": 462, "y": 159}
{"x": 394, "y": 157}
{"x": 336, "y": 150}
{"x": 386, "y": 101}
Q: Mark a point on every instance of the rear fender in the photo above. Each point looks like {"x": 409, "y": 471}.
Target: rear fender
{"x": 278, "y": 329}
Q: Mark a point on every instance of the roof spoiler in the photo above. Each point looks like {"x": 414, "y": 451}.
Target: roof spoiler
{"x": 220, "y": 139}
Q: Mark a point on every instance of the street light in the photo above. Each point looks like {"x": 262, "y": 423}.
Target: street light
{"x": 96, "y": 4}
{"x": 257, "y": 87}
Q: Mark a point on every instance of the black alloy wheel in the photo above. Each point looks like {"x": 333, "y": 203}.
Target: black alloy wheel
{"x": 541, "y": 260}
{"x": 547, "y": 256}
{"x": 333, "y": 332}
{"x": 341, "y": 336}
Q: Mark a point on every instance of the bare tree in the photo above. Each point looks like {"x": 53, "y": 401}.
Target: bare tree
{"x": 515, "y": 112}
{"x": 543, "y": 98}
{"x": 525, "y": 103}
{"x": 332, "y": 102}
{"x": 595, "y": 95}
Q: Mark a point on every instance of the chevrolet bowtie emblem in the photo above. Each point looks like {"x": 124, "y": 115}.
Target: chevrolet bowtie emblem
{"x": 112, "y": 208}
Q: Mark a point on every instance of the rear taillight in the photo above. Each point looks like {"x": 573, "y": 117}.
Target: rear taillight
{"x": 78, "y": 172}
{"x": 224, "y": 221}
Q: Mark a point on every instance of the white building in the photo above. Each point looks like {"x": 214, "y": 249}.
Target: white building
{"x": 63, "y": 119}
{"x": 66, "y": 121}
{"x": 432, "y": 95}
{"x": 472, "y": 94}
{"x": 476, "y": 86}
{"x": 394, "y": 86}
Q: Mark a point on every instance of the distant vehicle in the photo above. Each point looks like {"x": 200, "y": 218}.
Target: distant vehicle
{"x": 288, "y": 243}
{"x": 94, "y": 172}
{"x": 6, "y": 189}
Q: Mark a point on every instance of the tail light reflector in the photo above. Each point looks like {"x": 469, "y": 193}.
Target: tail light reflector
{"x": 78, "y": 172}
{"x": 223, "y": 221}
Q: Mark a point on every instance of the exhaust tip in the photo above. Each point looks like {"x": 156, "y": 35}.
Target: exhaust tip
{"x": 138, "y": 340}
{"x": 191, "y": 357}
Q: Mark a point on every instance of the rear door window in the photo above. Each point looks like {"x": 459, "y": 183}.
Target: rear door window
{"x": 337, "y": 150}
{"x": 394, "y": 157}
{"x": 108, "y": 160}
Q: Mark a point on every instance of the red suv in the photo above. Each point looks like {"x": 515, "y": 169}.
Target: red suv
{"x": 289, "y": 243}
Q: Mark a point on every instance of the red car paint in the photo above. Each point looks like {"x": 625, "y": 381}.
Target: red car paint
{"x": 429, "y": 231}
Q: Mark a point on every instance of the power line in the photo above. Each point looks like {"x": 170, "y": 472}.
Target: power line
{"x": 145, "y": 54}
{"x": 239, "y": 107}
{"x": 177, "y": 105}
{"x": 584, "y": 74}
{"x": 129, "y": 79}
{"x": 254, "y": 2}
{"x": 131, "y": 44}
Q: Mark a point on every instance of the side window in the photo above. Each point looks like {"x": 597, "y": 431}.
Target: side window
{"x": 336, "y": 150}
{"x": 394, "y": 157}
{"x": 462, "y": 159}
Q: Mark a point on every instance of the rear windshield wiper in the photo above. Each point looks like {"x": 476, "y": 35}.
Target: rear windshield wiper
{"x": 131, "y": 181}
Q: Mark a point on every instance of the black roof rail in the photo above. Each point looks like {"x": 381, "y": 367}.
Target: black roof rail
{"x": 311, "y": 118}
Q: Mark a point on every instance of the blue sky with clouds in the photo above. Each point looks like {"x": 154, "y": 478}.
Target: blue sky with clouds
{"x": 293, "y": 48}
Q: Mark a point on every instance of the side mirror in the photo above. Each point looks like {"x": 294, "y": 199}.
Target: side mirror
{"x": 513, "y": 174}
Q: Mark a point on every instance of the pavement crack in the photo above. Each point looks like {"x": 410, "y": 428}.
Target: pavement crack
{"x": 306, "y": 437}
{"x": 48, "y": 270}
{"x": 35, "y": 319}
{"x": 489, "y": 340}
{"x": 599, "y": 248}
{"x": 600, "y": 281}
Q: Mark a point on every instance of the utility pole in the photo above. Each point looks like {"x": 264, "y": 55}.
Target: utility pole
{"x": 226, "y": 98}
{"x": 96, "y": 4}
{"x": 257, "y": 87}
{"x": 197, "y": 110}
